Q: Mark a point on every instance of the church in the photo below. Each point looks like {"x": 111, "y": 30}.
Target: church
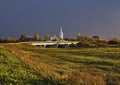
{"x": 60, "y": 35}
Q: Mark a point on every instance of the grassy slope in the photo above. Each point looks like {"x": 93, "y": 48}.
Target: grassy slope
{"x": 60, "y": 66}
{"x": 12, "y": 71}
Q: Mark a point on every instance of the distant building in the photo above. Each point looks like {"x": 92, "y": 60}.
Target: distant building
{"x": 53, "y": 38}
{"x": 61, "y": 34}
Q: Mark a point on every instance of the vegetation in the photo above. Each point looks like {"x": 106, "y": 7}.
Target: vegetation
{"x": 46, "y": 37}
{"x": 84, "y": 41}
{"x": 26, "y": 64}
{"x": 36, "y": 37}
{"x": 24, "y": 38}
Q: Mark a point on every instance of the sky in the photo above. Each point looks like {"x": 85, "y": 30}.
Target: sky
{"x": 88, "y": 17}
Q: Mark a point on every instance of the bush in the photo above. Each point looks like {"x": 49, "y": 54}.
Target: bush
{"x": 72, "y": 45}
{"x": 8, "y": 40}
{"x": 112, "y": 42}
{"x": 86, "y": 44}
{"x": 103, "y": 41}
{"x": 78, "y": 44}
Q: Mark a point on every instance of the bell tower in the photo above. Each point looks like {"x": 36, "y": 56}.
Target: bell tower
{"x": 61, "y": 34}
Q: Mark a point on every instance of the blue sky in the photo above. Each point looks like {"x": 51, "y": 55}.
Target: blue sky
{"x": 89, "y": 17}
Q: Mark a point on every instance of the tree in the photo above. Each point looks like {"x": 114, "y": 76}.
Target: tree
{"x": 47, "y": 37}
{"x": 78, "y": 36}
{"x": 24, "y": 38}
{"x": 87, "y": 38}
{"x": 8, "y": 40}
{"x": 2, "y": 40}
{"x": 68, "y": 38}
{"x": 36, "y": 37}
{"x": 11, "y": 40}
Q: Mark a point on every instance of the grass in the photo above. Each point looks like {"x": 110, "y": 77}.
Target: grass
{"x": 67, "y": 66}
{"x": 13, "y": 71}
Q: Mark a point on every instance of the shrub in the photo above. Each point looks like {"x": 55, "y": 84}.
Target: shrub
{"x": 78, "y": 44}
{"x": 112, "y": 42}
{"x": 72, "y": 45}
{"x": 86, "y": 44}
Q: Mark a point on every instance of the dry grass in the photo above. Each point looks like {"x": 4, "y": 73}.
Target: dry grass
{"x": 85, "y": 78}
{"x": 68, "y": 66}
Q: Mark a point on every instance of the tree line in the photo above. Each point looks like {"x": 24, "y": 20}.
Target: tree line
{"x": 84, "y": 40}
{"x": 25, "y": 38}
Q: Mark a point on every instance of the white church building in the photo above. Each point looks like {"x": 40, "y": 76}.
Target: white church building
{"x": 60, "y": 35}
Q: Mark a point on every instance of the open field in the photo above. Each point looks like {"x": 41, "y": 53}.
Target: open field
{"x": 26, "y": 64}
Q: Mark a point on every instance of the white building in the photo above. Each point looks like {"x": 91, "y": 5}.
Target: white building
{"x": 53, "y": 38}
{"x": 61, "y": 34}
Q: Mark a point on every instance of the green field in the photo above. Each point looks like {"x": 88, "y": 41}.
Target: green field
{"x": 24, "y": 64}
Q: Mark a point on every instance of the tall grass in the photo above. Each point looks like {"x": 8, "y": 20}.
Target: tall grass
{"x": 70, "y": 66}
